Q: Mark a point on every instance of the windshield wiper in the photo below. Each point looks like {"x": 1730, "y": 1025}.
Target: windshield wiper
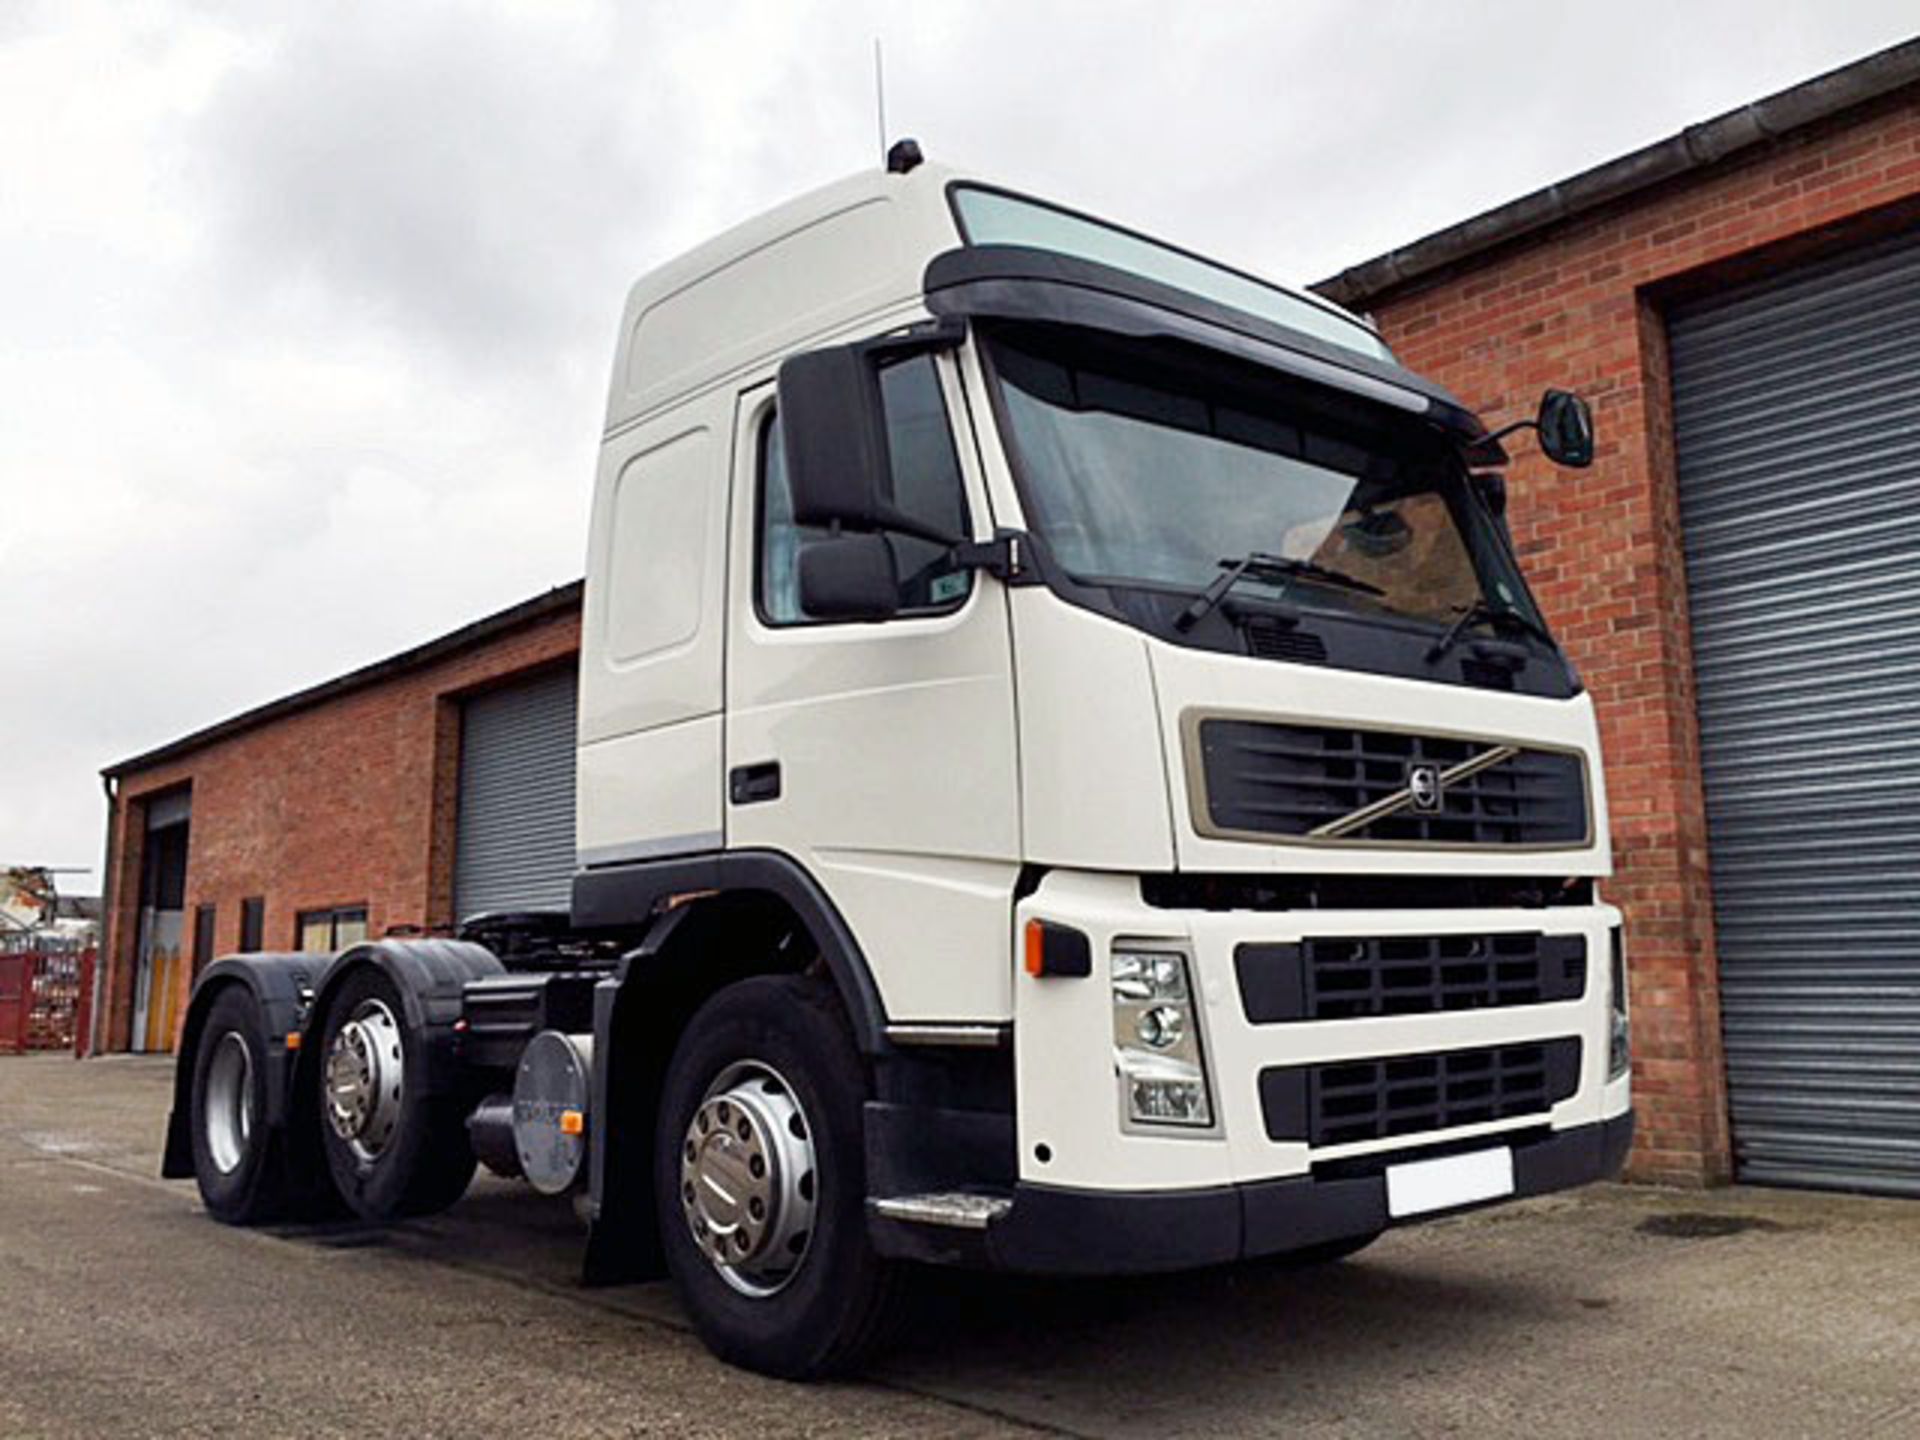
{"x": 1480, "y": 612}
{"x": 1263, "y": 566}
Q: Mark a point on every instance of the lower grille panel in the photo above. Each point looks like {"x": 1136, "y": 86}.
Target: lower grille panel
{"x": 1341, "y": 978}
{"x": 1349, "y": 1102}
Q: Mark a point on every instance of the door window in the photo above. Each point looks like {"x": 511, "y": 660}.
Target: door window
{"x": 925, "y": 476}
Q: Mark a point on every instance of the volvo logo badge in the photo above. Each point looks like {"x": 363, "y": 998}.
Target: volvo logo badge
{"x": 1423, "y": 787}
{"x": 1425, "y": 793}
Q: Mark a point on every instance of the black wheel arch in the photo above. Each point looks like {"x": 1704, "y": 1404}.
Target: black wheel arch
{"x": 431, "y": 976}
{"x": 281, "y": 985}
{"x": 726, "y": 917}
{"x": 294, "y": 991}
{"x": 630, "y": 896}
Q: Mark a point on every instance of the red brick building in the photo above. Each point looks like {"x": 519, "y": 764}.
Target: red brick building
{"x": 1741, "y": 302}
{"x": 351, "y": 808}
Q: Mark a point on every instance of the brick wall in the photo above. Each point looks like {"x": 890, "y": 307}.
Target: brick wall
{"x": 1582, "y": 306}
{"x": 351, "y": 801}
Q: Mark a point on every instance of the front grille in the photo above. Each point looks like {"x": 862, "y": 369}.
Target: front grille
{"x": 1261, "y": 778}
{"x": 1339, "y": 978}
{"x": 1351, "y": 1101}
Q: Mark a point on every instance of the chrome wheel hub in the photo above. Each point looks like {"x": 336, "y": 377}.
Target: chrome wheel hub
{"x": 364, "y": 1079}
{"x": 747, "y": 1178}
{"x": 229, "y": 1103}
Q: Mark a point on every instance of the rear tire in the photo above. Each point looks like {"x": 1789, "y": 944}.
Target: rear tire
{"x": 392, "y": 1150}
{"x": 236, "y": 1161}
{"x": 759, "y": 1155}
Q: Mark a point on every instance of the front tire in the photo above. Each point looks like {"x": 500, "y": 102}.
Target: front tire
{"x": 1328, "y": 1252}
{"x": 392, "y": 1149}
{"x": 760, "y": 1182}
{"x": 235, "y": 1162}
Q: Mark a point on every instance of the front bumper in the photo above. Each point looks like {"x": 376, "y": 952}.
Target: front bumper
{"x": 1274, "y": 1117}
{"x": 1088, "y": 1232}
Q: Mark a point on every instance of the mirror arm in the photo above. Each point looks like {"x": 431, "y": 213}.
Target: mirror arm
{"x": 1496, "y": 436}
{"x": 1554, "y": 405}
{"x": 949, "y": 332}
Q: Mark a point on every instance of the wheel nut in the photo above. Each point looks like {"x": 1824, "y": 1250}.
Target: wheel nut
{"x": 756, "y": 1166}
{"x": 757, "y": 1208}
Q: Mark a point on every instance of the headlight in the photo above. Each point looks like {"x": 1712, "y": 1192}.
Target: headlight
{"x": 1156, "y": 1042}
{"x": 1619, "y": 1039}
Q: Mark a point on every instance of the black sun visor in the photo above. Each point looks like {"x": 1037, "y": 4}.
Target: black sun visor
{"x": 1018, "y": 283}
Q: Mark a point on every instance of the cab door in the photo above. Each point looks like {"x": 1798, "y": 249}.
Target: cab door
{"x": 881, "y": 755}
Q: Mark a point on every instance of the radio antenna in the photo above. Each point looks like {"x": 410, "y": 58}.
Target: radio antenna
{"x": 880, "y": 98}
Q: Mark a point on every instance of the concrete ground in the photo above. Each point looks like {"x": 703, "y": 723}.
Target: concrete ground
{"x": 1613, "y": 1312}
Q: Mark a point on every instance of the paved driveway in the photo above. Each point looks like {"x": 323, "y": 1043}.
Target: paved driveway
{"x": 1616, "y": 1312}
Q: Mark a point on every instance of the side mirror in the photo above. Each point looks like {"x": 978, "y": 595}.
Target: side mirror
{"x": 849, "y": 577}
{"x": 1565, "y": 424}
{"x": 833, "y": 425}
{"x": 834, "y": 434}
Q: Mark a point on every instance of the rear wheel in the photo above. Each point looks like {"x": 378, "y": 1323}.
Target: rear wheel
{"x": 393, "y": 1150}
{"x": 239, "y": 1173}
{"x": 760, "y": 1180}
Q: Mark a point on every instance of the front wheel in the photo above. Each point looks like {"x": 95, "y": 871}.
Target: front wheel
{"x": 1327, "y": 1252}
{"x": 760, "y": 1182}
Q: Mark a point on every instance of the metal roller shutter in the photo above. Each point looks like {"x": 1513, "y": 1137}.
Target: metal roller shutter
{"x": 1797, "y": 424}
{"x": 514, "y": 847}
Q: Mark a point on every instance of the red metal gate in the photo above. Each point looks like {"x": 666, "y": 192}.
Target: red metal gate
{"x": 41, "y": 998}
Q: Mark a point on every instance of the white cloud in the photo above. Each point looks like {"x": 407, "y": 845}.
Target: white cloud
{"x": 307, "y": 307}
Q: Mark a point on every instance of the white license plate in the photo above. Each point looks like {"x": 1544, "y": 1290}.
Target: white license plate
{"x": 1425, "y": 1185}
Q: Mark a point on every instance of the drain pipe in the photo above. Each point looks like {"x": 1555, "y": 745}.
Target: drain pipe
{"x": 103, "y": 953}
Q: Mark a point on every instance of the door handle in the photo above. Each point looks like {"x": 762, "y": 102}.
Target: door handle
{"x": 750, "y": 784}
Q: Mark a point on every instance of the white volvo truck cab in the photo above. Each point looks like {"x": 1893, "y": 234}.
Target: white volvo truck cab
{"x": 1071, "y": 780}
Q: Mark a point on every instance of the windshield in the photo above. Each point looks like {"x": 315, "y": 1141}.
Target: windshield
{"x": 1141, "y": 467}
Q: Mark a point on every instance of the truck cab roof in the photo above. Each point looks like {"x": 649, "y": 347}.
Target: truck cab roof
{"x": 839, "y": 258}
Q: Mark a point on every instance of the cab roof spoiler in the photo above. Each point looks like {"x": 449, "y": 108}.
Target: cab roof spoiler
{"x": 1013, "y": 282}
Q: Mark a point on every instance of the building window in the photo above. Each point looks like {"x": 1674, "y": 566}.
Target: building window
{"x": 925, "y": 483}
{"x": 321, "y": 931}
{"x": 203, "y": 923}
{"x": 253, "y": 924}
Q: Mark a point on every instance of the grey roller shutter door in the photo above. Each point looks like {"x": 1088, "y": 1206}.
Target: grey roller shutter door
{"x": 514, "y": 848}
{"x": 1797, "y": 425}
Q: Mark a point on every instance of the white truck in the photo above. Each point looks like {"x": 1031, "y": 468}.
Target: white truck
{"x": 1071, "y": 779}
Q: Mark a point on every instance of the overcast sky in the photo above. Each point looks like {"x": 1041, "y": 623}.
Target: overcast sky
{"x": 305, "y": 309}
